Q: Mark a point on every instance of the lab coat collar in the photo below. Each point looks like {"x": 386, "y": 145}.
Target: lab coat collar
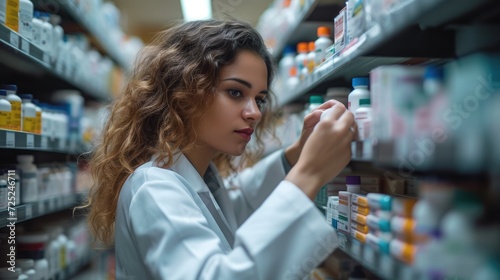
{"x": 182, "y": 166}
{"x": 222, "y": 204}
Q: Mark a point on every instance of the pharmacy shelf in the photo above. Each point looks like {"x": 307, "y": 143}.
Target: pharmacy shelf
{"x": 18, "y": 140}
{"x": 112, "y": 49}
{"x": 367, "y": 52}
{"x": 19, "y": 54}
{"x": 284, "y": 38}
{"x": 382, "y": 265}
{"x": 314, "y": 13}
{"x": 29, "y": 211}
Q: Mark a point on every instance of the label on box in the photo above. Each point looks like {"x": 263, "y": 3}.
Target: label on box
{"x": 360, "y": 210}
{"x": 25, "y": 46}
{"x": 358, "y": 235}
{"x": 358, "y": 218}
{"x": 44, "y": 142}
{"x": 10, "y": 139}
{"x": 340, "y": 30}
{"x": 30, "y": 140}
{"x": 29, "y": 211}
{"x": 343, "y": 223}
{"x": 359, "y": 200}
{"x": 342, "y": 241}
{"x": 359, "y": 227}
{"x": 14, "y": 39}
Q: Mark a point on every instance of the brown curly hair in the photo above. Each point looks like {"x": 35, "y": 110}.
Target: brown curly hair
{"x": 171, "y": 86}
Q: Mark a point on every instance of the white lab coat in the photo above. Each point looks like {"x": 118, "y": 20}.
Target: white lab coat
{"x": 166, "y": 227}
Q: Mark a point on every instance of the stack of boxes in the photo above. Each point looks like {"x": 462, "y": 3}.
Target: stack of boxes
{"x": 403, "y": 227}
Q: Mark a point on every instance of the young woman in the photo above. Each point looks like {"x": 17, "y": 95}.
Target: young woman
{"x": 197, "y": 96}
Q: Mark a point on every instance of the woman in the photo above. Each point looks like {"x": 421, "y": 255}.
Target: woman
{"x": 196, "y": 98}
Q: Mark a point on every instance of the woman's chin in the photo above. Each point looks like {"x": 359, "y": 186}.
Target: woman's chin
{"x": 237, "y": 151}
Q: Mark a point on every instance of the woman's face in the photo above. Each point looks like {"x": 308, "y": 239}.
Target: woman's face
{"x": 228, "y": 125}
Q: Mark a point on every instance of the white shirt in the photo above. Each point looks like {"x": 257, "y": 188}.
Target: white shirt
{"x": 166, "y": 227}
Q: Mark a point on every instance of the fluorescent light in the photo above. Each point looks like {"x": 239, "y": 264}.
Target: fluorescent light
{"x": 196, "y": 9}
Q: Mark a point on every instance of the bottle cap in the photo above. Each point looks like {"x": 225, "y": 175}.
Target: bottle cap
{"x": 365, "y": 102}
{"x": 9, "y": 87}
{"x": 433, "y": 72}
{"x": 360, "y": 81}
{"x": 353, "y": 180}
{"x": 26, "y": 96}
{"x": 315, "y": 99}
{"x": 323, "y": 31}
{"x": 311, "y": 46}
{"x": 288, "y": 50}
{"x": 384, "y": 225}
{"x": 383, "y": 245}
{"x": 3, "y": 92}
{"x": 386, "y": 203}
{"x": 302, "y": 47}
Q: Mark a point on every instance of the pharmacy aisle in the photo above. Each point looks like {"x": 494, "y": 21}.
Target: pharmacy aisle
{"x": 420, "y": 198}
{"x": 54, "y": 85}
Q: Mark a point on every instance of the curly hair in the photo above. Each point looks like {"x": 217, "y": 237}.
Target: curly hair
{"x": 172, "y": 85}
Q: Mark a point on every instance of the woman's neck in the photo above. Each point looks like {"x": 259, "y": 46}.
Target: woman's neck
{"x": 200, "y": 158}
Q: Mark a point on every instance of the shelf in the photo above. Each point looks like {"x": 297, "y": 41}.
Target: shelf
{"x": 18, "y": 140}
{"x": 382, "y": 265}
{"x": 314, "y": 13}
{"x": 285, "y": 37}
{"x": 366, "y": 52}
{"x": 21, "y": 55}
{"x": 29, "y": 211}
{"x": 112, "y": 49}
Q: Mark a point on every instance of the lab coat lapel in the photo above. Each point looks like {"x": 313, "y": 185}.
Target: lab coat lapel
{"x": 183, "y": 167}
{"x": 222, "y": 197}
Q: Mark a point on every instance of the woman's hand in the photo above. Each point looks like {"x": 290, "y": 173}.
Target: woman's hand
{"x": 292, "y": 152}
{"x": 326, "y": 151}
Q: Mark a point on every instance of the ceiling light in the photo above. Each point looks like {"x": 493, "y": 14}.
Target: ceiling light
{"x": 196, "y": 9}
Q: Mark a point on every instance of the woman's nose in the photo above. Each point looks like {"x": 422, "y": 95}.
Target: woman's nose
{"x": 252, "y": 110}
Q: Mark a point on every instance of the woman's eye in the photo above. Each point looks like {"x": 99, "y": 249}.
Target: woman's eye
{"x": 234, "y": 93}
{"x": 260, "y": 102}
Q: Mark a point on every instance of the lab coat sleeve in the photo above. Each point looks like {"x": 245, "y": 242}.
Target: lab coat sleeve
{"x": 254, "y": 184}
{"x": 283, "y": 239}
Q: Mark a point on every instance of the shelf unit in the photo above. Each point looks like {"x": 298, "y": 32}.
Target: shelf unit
{"x": 23, "y": 56}
{"x": 18, "y": 140}
{"x": 312, "y": 14}
{"x": 285, "y": 37}
{"x": 376, "y": 46}
{"x": 25, "y": 212}
{"x": 418, "y": 32}
{"x": 34, "y": 71}
{"x": 100, "y": 35}
{"x": 382, "y": 265}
